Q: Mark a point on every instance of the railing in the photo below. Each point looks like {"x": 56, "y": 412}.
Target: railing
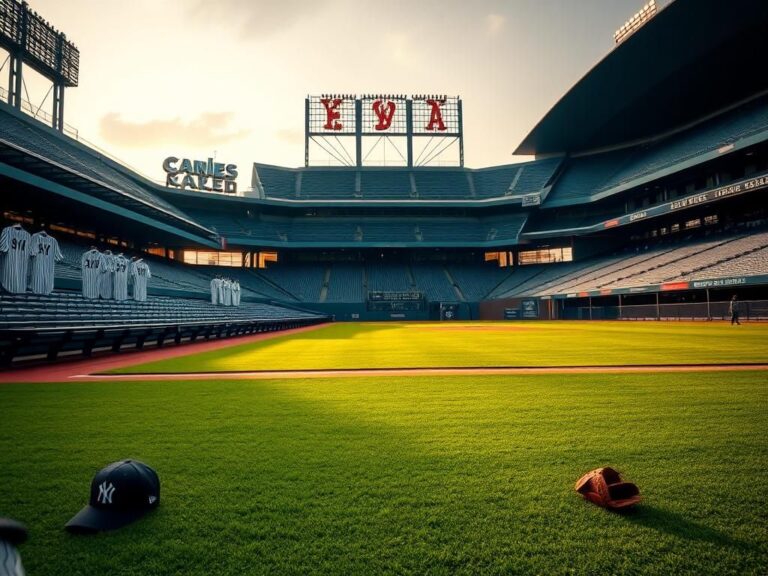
{"x": 39, "y": 114}
{"x": 751, "y": 310}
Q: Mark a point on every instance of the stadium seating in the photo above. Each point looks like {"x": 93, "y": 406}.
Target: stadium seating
{"x": 433, "y": 280}
{"x": 388, "y": 277}
{"x": 36, "y": 327}
{"x": 345, "y": 283}
{"x": 585, "y": 175}
{"x": 385, "y": 184}
{"x": 442, "y": 184}
{"x": 320, "y": 184}
{"x": 476, "y": 281}
{"x": 71, "y": 156}
{"x": 406, "y": 184}
{"x": 589, "y": 175}
{"x": 303, "y": 281}
{"x": 277, "y": 182}
{"x": 724, "y": 256}
{"x": 706, "y": 137}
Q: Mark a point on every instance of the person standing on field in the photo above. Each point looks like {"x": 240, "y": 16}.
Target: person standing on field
{"x": 734, "y": 308}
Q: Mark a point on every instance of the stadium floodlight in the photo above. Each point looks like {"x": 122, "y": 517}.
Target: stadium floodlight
{"x": 31, "y": 40}
{"x": 635, "y": 22}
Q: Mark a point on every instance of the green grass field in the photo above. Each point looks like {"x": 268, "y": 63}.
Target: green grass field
{"x": 448, "y": 475}
{"x": 416, "y": 345}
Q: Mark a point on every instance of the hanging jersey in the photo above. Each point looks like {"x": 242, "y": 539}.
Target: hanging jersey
{"x": 140, "y": 274}
{"x": 236, "y": 293}
{"x": 90, "y": 267}
{"x": 121, "y": 278}
{"x": 15, "y": 243}
{"x": 45, "y": 253}
{"x": 215, "y": 283}
{"x": 227, "y": 293}
{"x": 106, "y": 277}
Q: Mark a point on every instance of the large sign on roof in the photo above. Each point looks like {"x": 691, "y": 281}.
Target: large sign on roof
{"x": 331, "y": 116}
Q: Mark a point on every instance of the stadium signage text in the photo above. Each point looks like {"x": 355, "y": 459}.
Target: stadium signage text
{"x": 718, "y": 282}
{"x": 742, "y": 187}
{"x": 201, "y": 175}
{"x": 384, "y": 112}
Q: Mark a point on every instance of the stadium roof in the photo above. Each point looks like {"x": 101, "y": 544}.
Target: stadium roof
{"x": 31, "y": 147}
{"x": 694, "y": 58}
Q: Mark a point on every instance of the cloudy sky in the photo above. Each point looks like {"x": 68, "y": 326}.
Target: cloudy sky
{"x": 194, "y": 78}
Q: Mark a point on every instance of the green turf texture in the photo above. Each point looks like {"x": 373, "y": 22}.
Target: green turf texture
{"x": 417, "y": 345}
{"x": 450, "y": 475}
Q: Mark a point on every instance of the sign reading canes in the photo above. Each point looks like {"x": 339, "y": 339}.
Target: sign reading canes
{"x": 331, "y": 116}
{"x": 201, "y": 175}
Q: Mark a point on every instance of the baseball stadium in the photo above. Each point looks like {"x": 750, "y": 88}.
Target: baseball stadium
{"x": 354, "y": 368}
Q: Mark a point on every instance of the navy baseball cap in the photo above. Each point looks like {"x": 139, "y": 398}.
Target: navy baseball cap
{"x": 120, "y": 493}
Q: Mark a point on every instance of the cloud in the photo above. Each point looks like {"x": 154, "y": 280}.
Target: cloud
{"x": 258, "y": 18}
{"x": 290, "y": 136}
{"x": 494, "y": 23}
{"x": 401, "y": 50}
{"x": 209, "y": 128}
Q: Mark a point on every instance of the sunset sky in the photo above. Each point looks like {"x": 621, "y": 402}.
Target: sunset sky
{"x": 191, "y": 78}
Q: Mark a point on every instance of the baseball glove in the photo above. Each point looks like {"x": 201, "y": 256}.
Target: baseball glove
{"x": 605, "y": 488}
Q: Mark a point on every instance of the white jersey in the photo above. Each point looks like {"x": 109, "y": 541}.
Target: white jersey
{"x": 90, "y": 267}
{"x": 215, "y": 291}
{"x": 106, "y": 277}
{"x": 235, "y": 293}
{"x": 140, "y": 274}
{"x": 226, "y": 289}
{"x": 121, "y": 278}
{"x": 15, "y": 242}
{"x": 45, "y": 253}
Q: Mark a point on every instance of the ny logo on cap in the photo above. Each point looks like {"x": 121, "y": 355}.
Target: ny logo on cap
{"x": 152, "y": 499}
{"x": 105, "y": 493}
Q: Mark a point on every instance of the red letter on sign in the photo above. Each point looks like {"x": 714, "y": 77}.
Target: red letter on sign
{"x": 332, "y": 115}
{"x": 436, "y": 116}
{"x": 384, "y": 114}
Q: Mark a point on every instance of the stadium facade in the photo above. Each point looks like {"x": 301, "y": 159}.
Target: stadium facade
{"x": 646, "y": 199}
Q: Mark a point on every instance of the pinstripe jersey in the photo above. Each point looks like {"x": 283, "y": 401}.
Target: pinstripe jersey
{"x": 10, "y": 561}
{"x": 215, "y": 291}
{"x": 90, "y": 266}
{"x": 235, "y": 293}
{"x": 140, "y": 274}
{"x": 227, "y": 292}
{"x": 45, "y": 253}
{"x": 106, "y": 277}
{"x": 15, "y": 242}
{"x": 121, "y": 277}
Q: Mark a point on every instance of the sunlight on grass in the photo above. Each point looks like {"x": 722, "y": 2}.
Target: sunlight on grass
{"x": 418, "y": 345}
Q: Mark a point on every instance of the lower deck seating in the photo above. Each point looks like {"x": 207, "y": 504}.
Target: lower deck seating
{"x": 34, "y": 327}
{"x": 723, "y": 256}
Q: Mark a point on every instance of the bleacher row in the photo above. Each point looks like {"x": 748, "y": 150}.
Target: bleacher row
{"x": 589, "y": 175}
{"x": 70, "y": 309}
{"x": 367, "y": 229}
{"x": 32, "y": 136}
{"x": 406, "y": 184}
{"x": 34, "y": 327}
{"x": 350, "y": 281}
{"x": 736, "y": 255}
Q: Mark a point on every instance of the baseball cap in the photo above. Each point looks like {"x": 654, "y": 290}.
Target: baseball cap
{"x": 120, "y": 493}
{"x": 12, "y": 532}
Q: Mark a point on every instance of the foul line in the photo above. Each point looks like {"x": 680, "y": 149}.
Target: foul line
{"x": 356, "y": 373}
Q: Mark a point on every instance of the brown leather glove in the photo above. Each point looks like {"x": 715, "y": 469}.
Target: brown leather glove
{"x": 605, "y": 488}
